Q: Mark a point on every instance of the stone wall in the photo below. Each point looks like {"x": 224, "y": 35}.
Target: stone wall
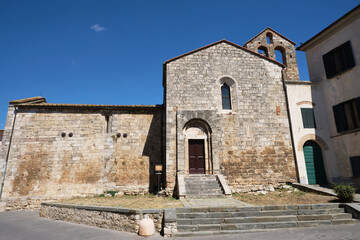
{"x": 99, "y": 156}
{"x": 251, "y": 144}
{"x": 120, "y": 219}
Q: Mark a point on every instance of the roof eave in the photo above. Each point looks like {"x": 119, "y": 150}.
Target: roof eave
{"x": 228, "y": 42}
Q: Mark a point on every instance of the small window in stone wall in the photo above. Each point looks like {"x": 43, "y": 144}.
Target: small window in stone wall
{"x": 269, "y": 38}
{"x": 355, "y": 165}
{"x": 107, "y": 127}
{"x": 226, "y": 98}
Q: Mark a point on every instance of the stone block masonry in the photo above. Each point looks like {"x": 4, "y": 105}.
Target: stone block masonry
{"x": 94, "y": 154}
{"x": 250, "y": 144}
{"x": 121, "y": 219}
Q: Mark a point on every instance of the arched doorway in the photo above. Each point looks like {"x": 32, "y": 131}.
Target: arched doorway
{"x": 197, "y": 147}
{"x": 314, "y": 163}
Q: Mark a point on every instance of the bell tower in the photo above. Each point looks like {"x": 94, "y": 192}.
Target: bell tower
{"x": 277, "y": 47}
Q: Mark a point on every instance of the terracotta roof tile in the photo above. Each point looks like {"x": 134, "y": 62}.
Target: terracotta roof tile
{"x": 28, "y": 100}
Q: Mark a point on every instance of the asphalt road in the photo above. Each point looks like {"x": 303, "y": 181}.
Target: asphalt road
{"x": 29, "y": 226}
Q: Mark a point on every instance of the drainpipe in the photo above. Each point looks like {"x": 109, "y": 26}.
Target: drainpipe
{"x": 290, "y": 126}
{"x": 8, "y": 152}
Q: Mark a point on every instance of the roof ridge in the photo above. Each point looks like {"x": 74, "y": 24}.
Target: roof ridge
{"x": 223, "y": 41}
{"x": 87, "y": 105}
{"x": 269, "y": 28}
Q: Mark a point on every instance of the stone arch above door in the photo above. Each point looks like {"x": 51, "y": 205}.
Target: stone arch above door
{"x": 197, "y": 147}
{"x": 314, "y": 138}
{"x": 210, "y": 123}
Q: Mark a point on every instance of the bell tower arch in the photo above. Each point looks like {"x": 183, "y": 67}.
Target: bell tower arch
{"x": 277, "y": 47}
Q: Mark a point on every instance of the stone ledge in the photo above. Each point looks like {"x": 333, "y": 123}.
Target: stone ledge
{"x": 104, "y": 208}
{"x": 121, "y": 219}
{"x": 352, "y": 208}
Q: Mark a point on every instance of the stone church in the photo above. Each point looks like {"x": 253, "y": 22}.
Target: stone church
{"x": 225, "y": 115}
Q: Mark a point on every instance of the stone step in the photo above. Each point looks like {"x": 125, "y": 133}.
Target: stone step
{"x": 208, "y": 179}
{"x": 206, "y": 233}
{"x": 300, "y": 218}
{"x": 259, "y": 208}
{"x": 205, "y": 195}
{"x": 259, "y": 225}
{"x": 211, "y": 191}
{"x": 202, "y": 185}
{"x": 258, "y": 213}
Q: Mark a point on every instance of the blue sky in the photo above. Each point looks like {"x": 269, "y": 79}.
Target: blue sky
{"x": 111, "y": 52}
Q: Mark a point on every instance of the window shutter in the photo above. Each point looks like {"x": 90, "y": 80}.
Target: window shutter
{"x": 311, "y": 118}
{"x": 349, "y": 57}
{"x": 328, "y": 65}
{"x": 355, "y": 165}
{"x": 339, "y": 119}
{"x": 308, "y": 117}
{"x": 304, "y": 117}
{"x": 357, "y": 103}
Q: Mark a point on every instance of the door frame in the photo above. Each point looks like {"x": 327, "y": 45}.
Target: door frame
{"x": 319, "y": 170}
{"x": 202, "y": 143}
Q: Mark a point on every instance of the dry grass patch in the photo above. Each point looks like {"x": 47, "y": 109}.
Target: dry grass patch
{"x": 137, "y": 201}
{"x": 284, "y": 197}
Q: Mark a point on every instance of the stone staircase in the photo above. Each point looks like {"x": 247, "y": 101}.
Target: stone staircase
{"x": 203, "y": 186}
{"x": 228, "y": 220}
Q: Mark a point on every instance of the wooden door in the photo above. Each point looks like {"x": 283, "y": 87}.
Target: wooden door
{"x": 314, "y": 163}
{"x": 196, "y": 157}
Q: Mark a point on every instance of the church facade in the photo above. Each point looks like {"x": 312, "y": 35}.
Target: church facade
{"x": 225, "y": 113}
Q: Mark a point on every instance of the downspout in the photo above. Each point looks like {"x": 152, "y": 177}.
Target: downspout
{"x": 290, "y": 126}
{"x": 8, "y": 152}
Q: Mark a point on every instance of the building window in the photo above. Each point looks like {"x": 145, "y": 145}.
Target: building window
{"x": 339, "y": 60}
{"x": 355, "y": 165}
{"x": 107, "y": 126}
{"x": 226, "y": 99}
{"x": 347, "y": 115}
{"x": 308, "y": 117}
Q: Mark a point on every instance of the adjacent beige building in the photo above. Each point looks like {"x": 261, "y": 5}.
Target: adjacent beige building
{"x": 333, "y": 57}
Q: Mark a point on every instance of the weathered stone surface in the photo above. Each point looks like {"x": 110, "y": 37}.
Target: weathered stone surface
{"x": 44, "y": 164}
{"x": 280, "y": 43}
{"x": 251, "y": 144}
{"x": 121, "y": 221}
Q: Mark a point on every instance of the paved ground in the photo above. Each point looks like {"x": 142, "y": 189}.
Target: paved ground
{"x": 29, "y": 226}
{"x": 212, "y": 202}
